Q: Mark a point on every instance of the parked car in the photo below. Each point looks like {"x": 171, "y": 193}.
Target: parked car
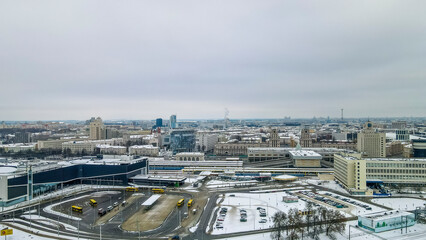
{"x": 110, "y": 208}
{"x": 263, "y": 220}
{"x": 101, "y": 211}
{"x": 115, "y": 204}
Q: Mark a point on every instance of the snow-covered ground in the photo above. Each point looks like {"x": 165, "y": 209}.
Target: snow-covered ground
{"x": 416, "y": 232}
{"x": 407, "y": 204}
{"x": 21, "y": 235}
{"x": 272, "y": 202}
{"x": 327, "y": 184}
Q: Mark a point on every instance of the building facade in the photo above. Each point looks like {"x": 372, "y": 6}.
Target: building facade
{"x": 274, "y": 138}
{"x": 305, "y": 138}
{"x": 350, "y": 172}
{"x": 235, "y": 149}
{"x": 173, "y": 122}
{"x": 182, "y": 140}
{"x": 144, "y": 150}
{"x": 206, "y": 141}
{"x": 370, "y": 142}
{"x": 96, "y": 128}
{"x": 419, "y": 148}
{"x": 190, "y": 156}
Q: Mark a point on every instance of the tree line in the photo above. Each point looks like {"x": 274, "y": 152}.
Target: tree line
{"x": 310, "y": 222}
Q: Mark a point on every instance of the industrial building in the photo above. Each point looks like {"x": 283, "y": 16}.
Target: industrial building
{"x": 386, "y": 220}
{"x": 21, "y": 183}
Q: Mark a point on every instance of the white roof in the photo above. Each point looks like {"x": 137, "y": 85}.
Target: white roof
{"x": 304, "y": 154}
{"x": 151, "y": 200}
{"x": 378, "y": 216}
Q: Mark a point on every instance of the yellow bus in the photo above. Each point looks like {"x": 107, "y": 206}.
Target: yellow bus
{"x": 132, "y": 189}
{"x": 190, "y": 202}
{"x": 303, "y": 213}
{"x": 158, "y": 190}
{"x": 180, "y": 202}
{"x": 77, "y": 209}
{"x": 93, "y": 202}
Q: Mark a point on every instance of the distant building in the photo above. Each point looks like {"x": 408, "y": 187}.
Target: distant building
{"x": 419, "y": 148}
{"x": 109, "y": 133}
{"x": 206, "y": 141}
{"x": 274, "y": 139}
{"x": 235, "y": 149}
{"x": 173, "y": 123}
{"x": 114, "y": 150}
{"x": 399, "y": 125}
{"x": 182, "y": 140}
{"x": 22, "y": 137}
{"x": 96, "y": 129}
{"x": 190, "y": 156}
{"x": 305, "y": 138}
{"x": 144, "y": 150}
{"x": 402, "y": 135}
{"x": 394, "y": 149}
{"x": 280, "y": 157}
{"x": 370, "y": 142}
{"x": 158, "y": 122}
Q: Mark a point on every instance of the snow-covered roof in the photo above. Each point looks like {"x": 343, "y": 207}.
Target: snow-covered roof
{"x": 304, "y": 154}
{"x": 151, "y": 200}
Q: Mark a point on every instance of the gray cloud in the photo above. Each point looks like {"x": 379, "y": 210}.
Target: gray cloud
{"x": 140, "y": 60}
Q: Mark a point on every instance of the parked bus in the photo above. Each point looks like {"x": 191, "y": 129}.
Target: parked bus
{"x": 132, "y": 189}
{"x": 180, "y": 202}
{"x": 303, "y": 213}
{"x": 190, "y": 202}
{"x": 93, "y": 202}
{"x": 158, "y": 190}
{"x": 77, "y": 209}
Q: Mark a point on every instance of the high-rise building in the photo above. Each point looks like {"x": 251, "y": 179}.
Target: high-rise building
{"x": 274, "y": 139}
{"x": 96, "y": 129}
{"x": 206, "y": 141}
{"x": 371, "y": 143}
{"x": 22, "y": 137}
{"x": 305, "y": 138}
{"x": 173, "y": 123}
{"x": 158, "y": 122}
{"x": 182, "y": 140}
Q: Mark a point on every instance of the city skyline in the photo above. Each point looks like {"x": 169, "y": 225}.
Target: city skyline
{"x": 139, "y": 60}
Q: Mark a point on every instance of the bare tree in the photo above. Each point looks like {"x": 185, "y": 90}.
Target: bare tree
{"x": 336, "y": 225}
{"x": 295, "y": 221}
{"x": 316, "y": 227}
{"x": 280, "y": 220}
{"x": 309, "y": 209}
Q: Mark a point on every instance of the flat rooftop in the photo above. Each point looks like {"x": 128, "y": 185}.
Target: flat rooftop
{"x": 304, "y": 154}
{"x": 386, "y": 215}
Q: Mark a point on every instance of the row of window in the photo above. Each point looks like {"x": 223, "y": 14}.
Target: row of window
{"x": 396, "y": 165}
{"x": 401, "y": 171}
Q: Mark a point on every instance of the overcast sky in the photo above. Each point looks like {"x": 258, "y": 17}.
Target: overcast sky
{"x": 63, "y": 60}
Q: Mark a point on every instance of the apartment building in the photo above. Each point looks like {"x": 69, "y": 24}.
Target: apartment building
{"x": 371, "y": 142}
{"x": 144, "y": 150}
{"x": 350, "y": 172}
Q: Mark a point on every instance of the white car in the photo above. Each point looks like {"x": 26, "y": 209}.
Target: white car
{"x": 263, "y": 220}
